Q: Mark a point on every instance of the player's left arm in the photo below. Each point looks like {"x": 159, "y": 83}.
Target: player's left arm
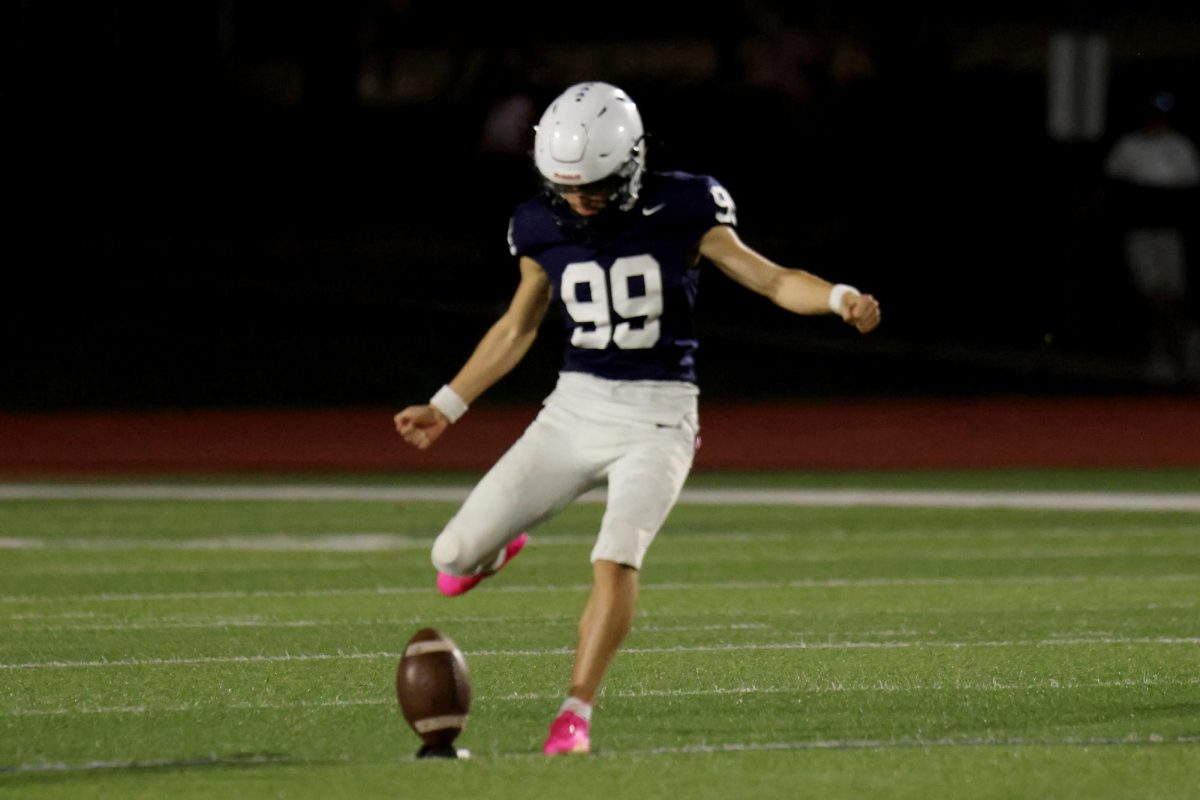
{"x": 796, "y": 290}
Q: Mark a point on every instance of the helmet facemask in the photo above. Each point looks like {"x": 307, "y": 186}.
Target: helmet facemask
{"x": 620, "y": 189}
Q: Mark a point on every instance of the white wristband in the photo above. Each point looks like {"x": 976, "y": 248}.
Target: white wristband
{"x": 449, "y": 403}
{"x": 837, "y": 293}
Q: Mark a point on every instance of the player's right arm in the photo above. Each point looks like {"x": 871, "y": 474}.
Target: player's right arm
{"x": 793, "y": 289}
{"x": 500, "y": 349}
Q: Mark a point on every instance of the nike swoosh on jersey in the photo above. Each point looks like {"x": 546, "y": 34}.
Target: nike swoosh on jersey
{"x": 648, "y": 211}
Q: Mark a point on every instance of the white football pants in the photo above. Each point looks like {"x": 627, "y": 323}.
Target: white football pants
{"x": 639, "y": 435}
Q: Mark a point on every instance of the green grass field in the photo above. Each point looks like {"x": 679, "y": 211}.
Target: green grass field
{"x": 182, "y": 649}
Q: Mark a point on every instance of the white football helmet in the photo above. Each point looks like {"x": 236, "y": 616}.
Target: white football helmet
{"x": 591, "y": 133}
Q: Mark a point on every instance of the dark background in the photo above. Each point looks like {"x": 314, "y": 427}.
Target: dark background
{"x": 270, "y": 203}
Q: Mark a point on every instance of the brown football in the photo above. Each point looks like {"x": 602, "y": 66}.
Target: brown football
{"x": 434, "y": 687}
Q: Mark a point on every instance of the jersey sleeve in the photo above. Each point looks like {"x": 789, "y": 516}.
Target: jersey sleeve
{"x": 714, "y": 205}
{"x": 518, "y": 234}
{"x": 701, "y": 202}
{"x": 531, "y": 229}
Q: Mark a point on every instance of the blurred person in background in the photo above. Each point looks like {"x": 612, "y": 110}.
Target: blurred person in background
{"x": 619, "y": 250}
{"x": 1156, "y": 170}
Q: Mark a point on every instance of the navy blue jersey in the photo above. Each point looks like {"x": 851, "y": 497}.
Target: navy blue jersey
{"x": 628, "y": 295}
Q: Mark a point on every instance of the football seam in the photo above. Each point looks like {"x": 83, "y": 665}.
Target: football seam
{"x": 443, "y": 722}
{"x": 432, "y": 646}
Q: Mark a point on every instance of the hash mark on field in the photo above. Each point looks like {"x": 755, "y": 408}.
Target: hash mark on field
{"x": 886, "y": 687}
{"x": 566, "y": 651}
{"x": 804, "y": 583}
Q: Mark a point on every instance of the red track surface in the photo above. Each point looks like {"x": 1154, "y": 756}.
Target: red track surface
{"x": 907, "y": 434}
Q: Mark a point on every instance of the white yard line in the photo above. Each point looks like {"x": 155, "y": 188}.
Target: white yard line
{"x": 154, "y": 763}
{"x": 175, "y": 662}
{"x": 242, "y": 622}
{"x": 362, "y": 542}
{"x": 356, "y": 543}
{"x": 104, "y": 619}
{"x": 806, "y": 583}
{"x": 900, "y": 498}
{"x": 882, "y": 744}
{"x": 665, "y": 557}
{"x": 565, "y": 651}
{"x": 813, "y": 583}
{"x": 1120, "y": 542}
{"x": 886, "y": 687}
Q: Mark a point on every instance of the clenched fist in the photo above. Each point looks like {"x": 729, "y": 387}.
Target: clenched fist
{"x": 861, "y": 311}
{"x": 421, "y": 425}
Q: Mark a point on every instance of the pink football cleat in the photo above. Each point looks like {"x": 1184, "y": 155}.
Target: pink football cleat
{"x": 453, "y": 585}
{"x": 568, "y": 734}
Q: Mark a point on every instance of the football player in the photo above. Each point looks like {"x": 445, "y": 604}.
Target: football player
{"x": 620, "y": 250}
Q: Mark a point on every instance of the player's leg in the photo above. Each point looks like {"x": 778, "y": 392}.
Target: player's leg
{"x": 606, "y": 621}
{"x": 644, "y": 484}
{"x": 538, "y": 476}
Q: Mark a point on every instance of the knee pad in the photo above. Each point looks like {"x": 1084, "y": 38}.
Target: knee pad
{"x": 445, "y": 554}
{"x": 455, "y": 556}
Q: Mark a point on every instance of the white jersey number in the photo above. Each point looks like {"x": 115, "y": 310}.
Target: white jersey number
{"x": 726, "y": 212}
{"x": 601, "y": 305}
